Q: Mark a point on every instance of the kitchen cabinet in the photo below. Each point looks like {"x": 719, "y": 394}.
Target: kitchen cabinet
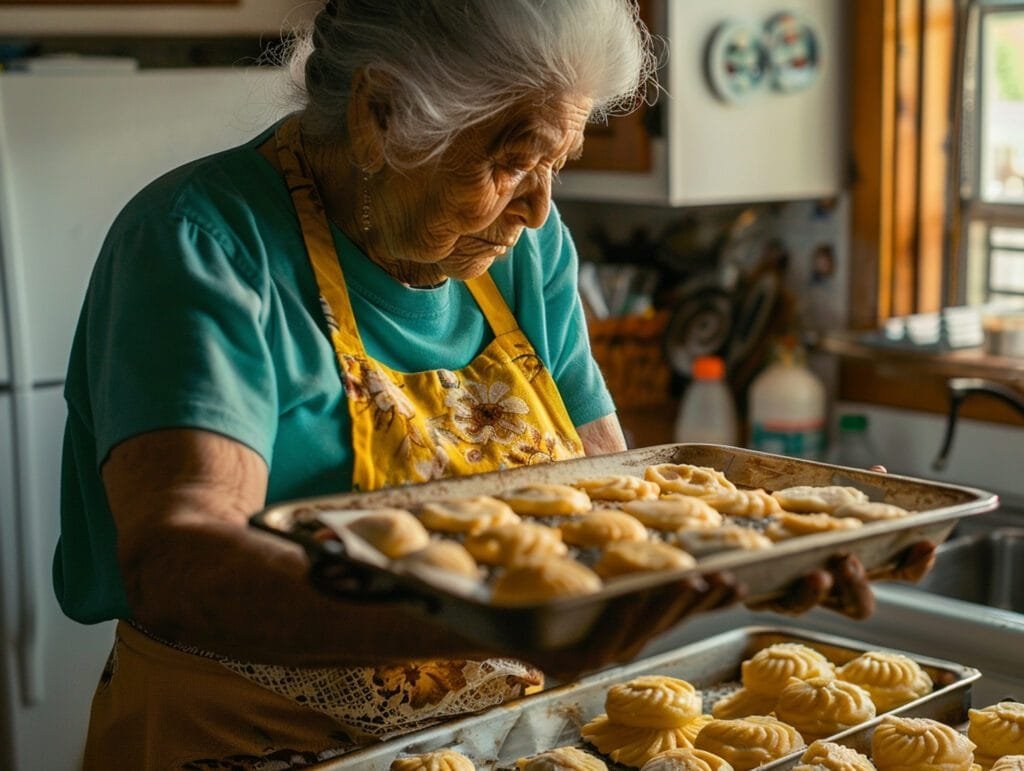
{"x": 698, "y": 148}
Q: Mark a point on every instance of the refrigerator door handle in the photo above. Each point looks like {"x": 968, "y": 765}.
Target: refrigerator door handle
{"x": 29, "y": 638}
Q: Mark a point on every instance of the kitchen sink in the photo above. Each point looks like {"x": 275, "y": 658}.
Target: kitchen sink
{"x": 986, "y": 568}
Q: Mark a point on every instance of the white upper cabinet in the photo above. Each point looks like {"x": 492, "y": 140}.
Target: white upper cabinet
{"x": 726, "y": 134}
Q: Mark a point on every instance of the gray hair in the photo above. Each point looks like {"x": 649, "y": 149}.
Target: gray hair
{"x": 450, "y": 64}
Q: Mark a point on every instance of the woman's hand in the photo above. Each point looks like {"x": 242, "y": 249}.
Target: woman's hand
{"x": 845, "y": 586}
{"x": 631, "y": 621}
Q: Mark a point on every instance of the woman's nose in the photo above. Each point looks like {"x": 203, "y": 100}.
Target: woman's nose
{"x": 532, "y": 200}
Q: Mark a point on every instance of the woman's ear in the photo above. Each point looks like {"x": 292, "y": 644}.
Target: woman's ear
{"x": 368, "y": 115}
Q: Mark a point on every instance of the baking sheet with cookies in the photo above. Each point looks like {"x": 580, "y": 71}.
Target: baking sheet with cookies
{"x": 497, "y": 738}
{"x": 349, "y": 568}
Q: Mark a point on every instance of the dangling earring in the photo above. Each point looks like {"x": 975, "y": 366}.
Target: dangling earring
{"x": 366, "y": 202}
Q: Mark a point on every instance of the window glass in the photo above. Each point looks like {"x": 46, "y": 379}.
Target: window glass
{"x": 1002, "y": 118}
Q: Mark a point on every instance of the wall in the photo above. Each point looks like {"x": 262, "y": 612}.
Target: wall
{"x": 245, "y": 17}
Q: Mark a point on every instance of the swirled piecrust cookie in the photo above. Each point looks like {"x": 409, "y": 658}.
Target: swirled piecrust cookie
{"x": 755, "y": 504}
{"x": 687, "y": 479}
{"x": 823, "y": 706}
{"x": 748, "y": 742}
{"x": 743, "y": 703}
{"x": 998, "y": 730}
{"x": 768, "y": 671}
{"x": 465, "y": 515}
{"x": 629, "y": 745}
{"x": 686, "y": 759}
{"x": 442, "y": 760}
{"x": 449, "y": 556}
{"x": 601, "y": 527}
{"x": 619, "y": 487}
{"x": 1009, "y": 763}
{"x": 547, "y": 500}
{"x": 392, "y": 532}
{"x": 703, "y": 541}
{"x": 892, "y": 679}
{"x": 545, "y": 580}
{"x": 787, "y": 525}
{"x": 653, "y": 701}
{"x": 871, "y": 511}
{"x": 515, "y": 544}
{"x": 624, "y": 557}
{"x": 829, "y": 756}
{"x": 562, "y": 759}
{"x": 811, "y": 499}
{"x": 674, "y": 513}
{"x": 919, "y": 744}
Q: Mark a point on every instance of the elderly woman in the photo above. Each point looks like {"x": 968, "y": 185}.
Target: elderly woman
{"x": 376, "y": 291}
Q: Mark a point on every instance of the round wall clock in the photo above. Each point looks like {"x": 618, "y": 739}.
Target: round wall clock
{"x": 737, "y": 61}
{"x": 794, "y": 52}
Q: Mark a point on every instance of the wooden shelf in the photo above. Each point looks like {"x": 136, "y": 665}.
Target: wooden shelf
{"x": 965, "y": 362}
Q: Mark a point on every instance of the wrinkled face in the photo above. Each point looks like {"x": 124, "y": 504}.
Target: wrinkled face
{"x": 471, "y": 206}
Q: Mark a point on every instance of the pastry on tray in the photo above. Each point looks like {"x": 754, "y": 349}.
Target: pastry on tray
{"x": 1009, "y": 763}
{"x": 743, "y": 703}
{"x": 703, "y": 541}
{"x": 442, "y": 760}
{"x": 829, "y": 756}
{"x": 618, "y": 487}
{"x": 562, "y": 759}
{"x": 748, "y": 742}
{"x": 768, "y": 671}
{"x": 548, "y": 579}
{"x": 920, "y": 744}
{"x": 449, "y": 556}
{"x": 786, "y": 525}
{"x": 674, "y": 512}
{"x": 687, "y": 479}
{"x": 392, "y": 532}
{"x": 547, "y": 500}
{"x": 515, "y": 543}
{"x": 601, "y": 527}
{"x": 998, "y": 730}
{"x": 755, "y": 504}
{"x": 465, "y": 515}
{"x": 892, "y": 679}
{"x": 823, "y": 706}
{"x": 816, "y": 499}
{"x": 686, "y": 759}
{"x": 629, "y": 745}
{"x": 871, "y": 511}
{"x": 625, "y": 557}
{"x": 653, "y": 701}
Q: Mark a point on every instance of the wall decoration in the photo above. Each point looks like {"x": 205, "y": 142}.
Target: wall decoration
{"x": 737, "y": 61}
{"x": 794, "y": 52}
{"x": 744, "y": 59}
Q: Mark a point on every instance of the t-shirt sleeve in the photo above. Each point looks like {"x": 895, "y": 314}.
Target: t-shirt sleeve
{"x": 573, "y": 367}
{"x": 176, "y": 338}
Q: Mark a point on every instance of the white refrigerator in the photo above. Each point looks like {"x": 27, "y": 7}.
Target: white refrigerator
{"x": 75, "y": 145}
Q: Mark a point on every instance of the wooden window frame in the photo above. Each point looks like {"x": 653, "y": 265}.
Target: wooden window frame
{"x": 904, "y": 226}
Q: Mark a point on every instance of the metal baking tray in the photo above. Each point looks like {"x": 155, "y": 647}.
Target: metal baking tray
{"x": 566, "y": 622}
{"x": 495, "y": 739}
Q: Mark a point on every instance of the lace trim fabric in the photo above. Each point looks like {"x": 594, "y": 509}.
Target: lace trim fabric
{"x": 386, "y": 701}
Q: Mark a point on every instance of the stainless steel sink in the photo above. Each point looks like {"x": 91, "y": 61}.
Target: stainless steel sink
{"x": 986, "y": 568}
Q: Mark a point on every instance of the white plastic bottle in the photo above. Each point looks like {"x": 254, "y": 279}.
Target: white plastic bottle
{"x": 707, "y": 413}
{"x": 787, "y": 408}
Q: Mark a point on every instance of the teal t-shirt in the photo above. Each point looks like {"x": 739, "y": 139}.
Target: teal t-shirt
{"x": 203, "y": 312}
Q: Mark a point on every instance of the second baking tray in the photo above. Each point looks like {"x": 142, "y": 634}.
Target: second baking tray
{"x": 498, "y": 737}
{"x": 563, "y": 623}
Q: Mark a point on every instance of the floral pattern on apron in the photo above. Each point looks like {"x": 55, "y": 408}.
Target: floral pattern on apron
{"x": 502, "y": 410}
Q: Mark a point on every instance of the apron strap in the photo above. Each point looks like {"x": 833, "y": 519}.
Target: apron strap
{"x": 493, "y": 305}
{"x": 316, "y": 233}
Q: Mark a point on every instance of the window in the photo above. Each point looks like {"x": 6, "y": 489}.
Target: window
{"x": 992, "y": 160}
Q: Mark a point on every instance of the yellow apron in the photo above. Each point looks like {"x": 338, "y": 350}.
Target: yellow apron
{"x": 162, "y": 706}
